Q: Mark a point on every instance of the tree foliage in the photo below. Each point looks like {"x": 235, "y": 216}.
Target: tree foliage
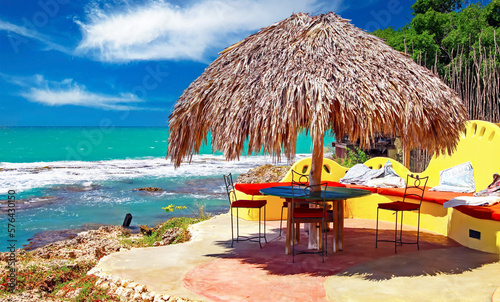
{"x": 442, "y": 6}
{"x": 440, "y": 27}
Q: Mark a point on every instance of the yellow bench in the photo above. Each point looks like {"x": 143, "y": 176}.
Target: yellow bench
{"x": 480, "y": 144}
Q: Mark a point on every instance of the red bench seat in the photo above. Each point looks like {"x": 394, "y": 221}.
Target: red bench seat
{"x": 481, "y": 212}
{"x": 429, "y": 196}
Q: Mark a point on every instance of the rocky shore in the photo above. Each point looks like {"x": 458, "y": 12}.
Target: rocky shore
{"x": 66, "y": 270}
{"x": 72, "y": 256}
{"x": 265, "y": 173}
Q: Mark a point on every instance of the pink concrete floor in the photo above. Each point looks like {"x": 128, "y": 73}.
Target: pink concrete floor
{"x": 253, "y": 274}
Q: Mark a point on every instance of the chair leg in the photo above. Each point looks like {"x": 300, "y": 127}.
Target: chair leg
{"x": 237, "y": 224}
{"x": 320, "y": 235}
{"x": 281, "y": 220}
{"x": 401, "y": 229}
{"x": 376, "y": 232}
{"x": 297, "y": 233}
{"x": 396, "y": 235}
{"x": 293, "y": 240}
{"x": 265, "y": 239}
{"x": 232, "y": 227}
{"x": 325, "y": 238}
{"x": 418, "y": 229}
{"x": 260, "y": 244}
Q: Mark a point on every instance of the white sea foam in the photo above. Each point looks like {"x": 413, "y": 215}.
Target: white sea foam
{"x": 25, "y": 176}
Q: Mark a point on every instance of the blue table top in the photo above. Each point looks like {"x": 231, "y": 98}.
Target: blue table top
{"x": 332, "y": 193}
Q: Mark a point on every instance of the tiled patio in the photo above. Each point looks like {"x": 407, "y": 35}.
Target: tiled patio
{"x": 208, "y": 269}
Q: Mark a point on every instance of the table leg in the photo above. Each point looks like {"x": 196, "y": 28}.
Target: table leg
{"x": 289, "y": 234}
{"x": 297, "y": 233}
{"x": 341, "y": 224}
{"x": 313, "y": 236}
{"x": 335, "y": 225}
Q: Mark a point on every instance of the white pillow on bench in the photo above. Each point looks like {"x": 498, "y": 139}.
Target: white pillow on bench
{"x": 459, "y": 178}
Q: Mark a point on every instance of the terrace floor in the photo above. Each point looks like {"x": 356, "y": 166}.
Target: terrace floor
{"x": 208, "y": 269}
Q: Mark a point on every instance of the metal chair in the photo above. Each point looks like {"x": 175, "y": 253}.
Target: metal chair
{"x": 414, "y": 191}
{"x": 302, "y": 213}
{"x": 249, "y": 204}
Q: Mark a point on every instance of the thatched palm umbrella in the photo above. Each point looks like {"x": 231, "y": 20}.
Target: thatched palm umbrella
{"x": 316, "y": 73}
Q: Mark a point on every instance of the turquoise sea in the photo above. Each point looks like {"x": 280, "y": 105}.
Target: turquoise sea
{"x": 72, "y": 178}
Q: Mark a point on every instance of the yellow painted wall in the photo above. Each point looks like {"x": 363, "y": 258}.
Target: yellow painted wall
{"x": 332, "y": 171}
{"x": 480, "y": 144}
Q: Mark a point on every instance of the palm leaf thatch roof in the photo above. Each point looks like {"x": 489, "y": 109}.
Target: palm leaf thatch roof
{"x": 316, "y": 73}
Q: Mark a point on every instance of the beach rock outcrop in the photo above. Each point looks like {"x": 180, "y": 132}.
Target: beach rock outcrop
{"x": 149, "y": 189}
{"x": 82, "y": 253}
{"x": 170, "y": 235}
{"x": 90, "y": 245}
{"x": 262, "y": 174}
{"x": 147, "y": 231}
{"x": 128, "y": 290}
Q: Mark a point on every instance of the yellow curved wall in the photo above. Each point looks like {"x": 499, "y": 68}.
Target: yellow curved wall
{"x": 332, "y": 171}
{"x": 480, "y": 144}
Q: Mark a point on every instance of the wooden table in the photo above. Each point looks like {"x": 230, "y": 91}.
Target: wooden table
{"x": 336, "y": 195}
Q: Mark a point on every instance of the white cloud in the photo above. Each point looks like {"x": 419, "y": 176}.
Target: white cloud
{"x": 67, "y": 92}
{"x": 158, "y": 30}
{"x": 23, "y": 33}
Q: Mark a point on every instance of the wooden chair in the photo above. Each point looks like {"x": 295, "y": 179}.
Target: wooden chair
{"x": 415, "y": 188}
{"x": 303, "y": 213}
{"x": 249, "y": 204}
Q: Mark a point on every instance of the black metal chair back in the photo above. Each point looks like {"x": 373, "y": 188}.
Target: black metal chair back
{"x": 249, "y": 204}
{"x": 228, "y": 180}
{"x": 301, "y": 189}
{"x": 417, "y": 189}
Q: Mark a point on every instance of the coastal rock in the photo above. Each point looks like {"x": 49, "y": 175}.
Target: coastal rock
{"x": 262, "y": 174}
{"x": 18, "y": 254}
{"x": 149, "y": 189}
{"x": 147, "y": 297}
{"x": 147, "y": 231}
{"x": 91, "y": 245}
{"x": 170, "y": 235}
{"x": 73, "y": 253}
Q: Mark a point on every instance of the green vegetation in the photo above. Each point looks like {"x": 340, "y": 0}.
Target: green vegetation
{"x": 201, "y": 210}
{"x": 54, "y": 278}
{"x": 86, "y": 290}
{"x": 353, "y": 157}
{"x": 177, "y": 222}
{"x": 70, "y": 279}
{"x": 440, "y": 28}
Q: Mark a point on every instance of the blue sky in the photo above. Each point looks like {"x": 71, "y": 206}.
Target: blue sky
{"x": 88, "y": 63}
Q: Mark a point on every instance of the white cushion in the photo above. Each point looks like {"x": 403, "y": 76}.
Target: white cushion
{"x": 459, "y": 178}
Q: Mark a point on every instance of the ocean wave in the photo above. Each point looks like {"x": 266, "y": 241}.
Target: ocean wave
{"x": 26, "y": 176}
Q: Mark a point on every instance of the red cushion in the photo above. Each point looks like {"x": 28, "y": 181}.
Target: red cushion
{"x": 488, "y": 212}
{"x": 334, "y": 184}
{"x": 249, "y": 203}
{"x": 371, "y": 189}
{"x": 308, "y": 213}
{"x": 399, "y": 206}
{"x": 496, "y": 214}
{"x": 430, "y": 196}
{"x": 254, "y": 189}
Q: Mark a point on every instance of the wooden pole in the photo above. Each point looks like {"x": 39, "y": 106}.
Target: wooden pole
{"x": 316, "y": 162}
{"x": 406, "y": 156}
{"x": 315, "y": 179}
